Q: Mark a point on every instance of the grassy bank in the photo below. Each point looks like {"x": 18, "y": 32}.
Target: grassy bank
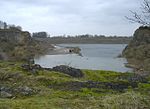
{"x": 55, "y": 90}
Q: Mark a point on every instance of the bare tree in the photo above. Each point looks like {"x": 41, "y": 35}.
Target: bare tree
{"x": 142, "y": 17}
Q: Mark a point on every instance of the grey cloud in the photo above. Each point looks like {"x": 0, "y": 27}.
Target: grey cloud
{"x": 71, "y": 16}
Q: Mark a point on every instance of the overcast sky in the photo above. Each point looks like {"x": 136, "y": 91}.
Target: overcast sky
{"x": 72, "y": 17}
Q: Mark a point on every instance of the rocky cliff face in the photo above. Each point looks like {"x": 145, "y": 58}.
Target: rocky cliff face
{"x": 138, "y": 50}
{"x": 19, "y": 45}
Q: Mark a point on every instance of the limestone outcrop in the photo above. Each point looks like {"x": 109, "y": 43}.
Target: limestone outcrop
{"x": 19, "y": 45}
{"x": 138, "y": 50}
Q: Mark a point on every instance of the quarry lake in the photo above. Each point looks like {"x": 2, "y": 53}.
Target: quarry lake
{"x": 94, "y": 56}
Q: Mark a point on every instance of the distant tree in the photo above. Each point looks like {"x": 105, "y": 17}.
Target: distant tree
{"x": 142, "y": 17}
{"x": 102, "y": 36}
{"x": 1, "y": 25}
{"x": 64, "y": 35}
{"x": 95, "y": 35}
{"x": 40, "y": 35}
{"x": 68, "y": 36}
{"x": 5, "y": 25}
{"x": 84, "y": 36}
{"x": 13, "y": 27}
{"x": 19, "y": 27}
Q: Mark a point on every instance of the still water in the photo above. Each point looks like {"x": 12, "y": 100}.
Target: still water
{"x": 94, "y": 56}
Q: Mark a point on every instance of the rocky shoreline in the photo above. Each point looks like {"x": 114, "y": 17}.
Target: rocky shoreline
{"x": 64, "y": 50}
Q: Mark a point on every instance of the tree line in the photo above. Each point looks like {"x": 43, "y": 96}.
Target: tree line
{"x": 4, "y": 25}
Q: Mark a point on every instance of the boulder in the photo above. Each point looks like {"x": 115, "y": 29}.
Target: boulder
{"x": 25, "y": 67}
{"x": 10, "y": 92}
{"x": 4, "y": 94}
{"x": 31, "y": 68}
{"x": 62, "y": 69}
{"x": 75, "y": 50}
{"x": 68, "y": 70}
{"x": 26, "y": 91}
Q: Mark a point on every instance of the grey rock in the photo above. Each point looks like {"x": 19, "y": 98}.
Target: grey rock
{"x": 68, "y": 70}
{"x": 75, "y": 85}
{"x": 25, "y": 90}
{"x": 31, "y": 68}
{"x": 4, "y": 94}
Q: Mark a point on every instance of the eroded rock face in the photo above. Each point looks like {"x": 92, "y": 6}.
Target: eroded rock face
{"x": 13, "y": 36}
{"x": 139, "y": 46}
{"x": 138, "y": 50}
{"x": 68, "y": 70}
{"x": 19, "y": 45}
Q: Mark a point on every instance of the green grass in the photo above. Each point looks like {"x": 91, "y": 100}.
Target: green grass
{"x": 68, "y": 100}
{"x": 13, "y": 76}
{"x": 104, "y": 76}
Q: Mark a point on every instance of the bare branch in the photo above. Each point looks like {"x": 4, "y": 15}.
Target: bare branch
{"x": 146, "y": 6}
{"x": 142, "y": 17}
